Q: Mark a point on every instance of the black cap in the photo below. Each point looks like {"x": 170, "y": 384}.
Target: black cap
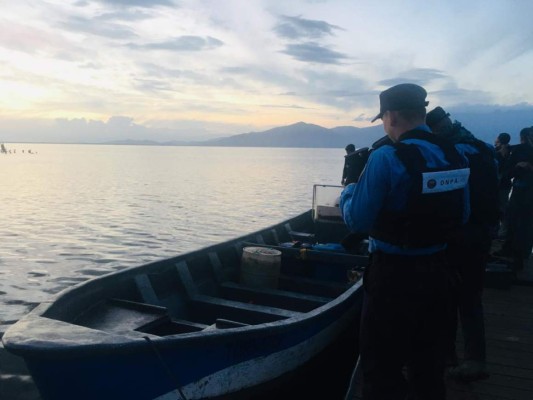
{"x": 401, "y": 97}
{"x": 436, "y": 115}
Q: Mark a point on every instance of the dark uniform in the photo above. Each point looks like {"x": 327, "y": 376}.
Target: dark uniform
{"x": 468, "y": 249}
{"x": 503, "y": 152}
{"x": 519, "y": 240}
{"x": 411, "y": 195}
{"x": 354, "y": 163}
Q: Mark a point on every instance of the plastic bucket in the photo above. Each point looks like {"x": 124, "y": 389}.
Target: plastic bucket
{"x": 260, "y": 267}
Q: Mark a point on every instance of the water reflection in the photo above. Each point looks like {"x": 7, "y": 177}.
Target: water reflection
{"x": 74, "y": 212}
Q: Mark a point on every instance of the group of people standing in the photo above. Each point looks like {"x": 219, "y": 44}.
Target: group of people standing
{"x": 428, "y": 198}
{"x": 516, "y": 196}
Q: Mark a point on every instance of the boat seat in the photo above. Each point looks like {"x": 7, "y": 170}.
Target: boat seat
{"x": 172, "y": 327}
{"x": 118, "y": 315}
{"x": 294, "y": 301}
{"x": 209, "y": 308}
{"x": 213, "y": 308}
{"x": 131, "y": 318}
{"x": 135, "y": 334}
{"x": 311, "y": 286}
{"x": 295, "y": 293}
{"x": 272, "y": 297}
{"x": 304, "y": 237}
{"x": 221, "y": 323}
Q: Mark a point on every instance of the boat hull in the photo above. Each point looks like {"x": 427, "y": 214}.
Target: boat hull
{"x": 235, "y": 364}
{"x": 69, "y": 358}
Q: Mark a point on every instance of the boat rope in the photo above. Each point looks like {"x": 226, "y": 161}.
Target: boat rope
{"x": 167, "y": 369}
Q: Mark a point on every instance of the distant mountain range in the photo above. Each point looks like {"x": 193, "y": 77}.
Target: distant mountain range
{"x": 485, "y": 125}
{"x": 300, "y": 134}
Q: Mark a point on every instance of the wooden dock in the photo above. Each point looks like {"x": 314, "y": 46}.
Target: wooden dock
{"x": 509, "y": 340}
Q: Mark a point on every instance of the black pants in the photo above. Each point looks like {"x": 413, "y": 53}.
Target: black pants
{"x": 469, "y": 260}
{"x": 504, "y": 203}
{"x": 404, "y": 324}
{"x": 519, "y": 241}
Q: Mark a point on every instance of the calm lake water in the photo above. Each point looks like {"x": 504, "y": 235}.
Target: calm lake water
{"x": 73, "y": 212}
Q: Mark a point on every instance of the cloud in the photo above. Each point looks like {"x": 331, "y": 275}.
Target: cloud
{"x": 491, "y": 43}
{"x": 158, "y": 71}
{"x": 157, "y": 59}
{"x": 291, "y": 106}
{"x": 119, "y": 121}
{"x": 296, "y": 28}
{"x": 507, "y": 47}
{"x": 158, "y": 78}
{"x": 23, "y": 37}
{"x": 153, "y": 85}
{"x": 361, "y": 118}
{"x": 107, "y": 29}
{"x": 458, "y": 95}
{"x": 124, "y": 14}
{"x": 182, "y": 43}
{"x": 138, "y": 3}
{"x": 243, "y": 75}
{"x": 82, "y": 130}
{"x": 419, "y": 76}
{"x": 313, "y": 52}
{"x": 442, "y": 89}
{"x": 337, "y": 89}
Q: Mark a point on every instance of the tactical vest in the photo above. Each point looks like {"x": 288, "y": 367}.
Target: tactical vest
{"x": 435, "y": 203}
{"x": 484, "y": 190}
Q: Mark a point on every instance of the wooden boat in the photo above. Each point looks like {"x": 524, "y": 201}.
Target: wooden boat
{"x": 188, "y": 327}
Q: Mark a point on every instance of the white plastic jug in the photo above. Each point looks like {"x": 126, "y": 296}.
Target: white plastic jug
{"x": 260, "y": 267}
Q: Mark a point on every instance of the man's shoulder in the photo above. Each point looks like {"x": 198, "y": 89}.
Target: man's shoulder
{"x": 477, "y": 146}
{"x": 486, "y": 144}
{"x": 425, "y": 146}
{"x": 385, "y": 151}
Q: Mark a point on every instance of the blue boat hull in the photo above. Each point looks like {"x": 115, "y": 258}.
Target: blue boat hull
{"x": 80, "y": 345}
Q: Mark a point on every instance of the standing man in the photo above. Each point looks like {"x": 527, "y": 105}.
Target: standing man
{"x": 469, "y": 250}
{"x": 354, "y": 162}
{"x": 519, "y": 240}
{"x": 503, "y": 152}
{"x": 350, "y": 149}
{"x": 410, "y": 197}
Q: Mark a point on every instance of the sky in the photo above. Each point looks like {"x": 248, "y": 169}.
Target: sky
{"x": 166, "y": 70}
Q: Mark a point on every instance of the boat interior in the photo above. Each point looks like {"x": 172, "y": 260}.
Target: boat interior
{"x": 204, "y": 290}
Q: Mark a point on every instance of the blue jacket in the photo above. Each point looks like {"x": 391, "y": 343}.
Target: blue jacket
{"x": 384, "y": 185}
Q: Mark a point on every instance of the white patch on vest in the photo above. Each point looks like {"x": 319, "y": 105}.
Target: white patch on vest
{"x": 444, "y": 181}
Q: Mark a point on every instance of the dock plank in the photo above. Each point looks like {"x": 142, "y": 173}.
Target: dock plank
{"x": 509, "y": 339}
